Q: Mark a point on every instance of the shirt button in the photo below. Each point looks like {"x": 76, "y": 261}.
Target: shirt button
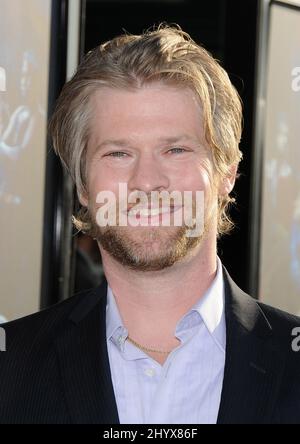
{"x": 150, "y": 372}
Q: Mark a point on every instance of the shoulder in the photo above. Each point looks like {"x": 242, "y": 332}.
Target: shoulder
{"x": 283, "y": 340}
{"x": 286, "y": 343}
{"x": 253, "y": 312}
{"x": 279, "y": 330}
{"x": 279, "y": 319}
{"x": 35, "y": 330}
{"x": 285, "y": 329}
{"x": 30, "y": 366}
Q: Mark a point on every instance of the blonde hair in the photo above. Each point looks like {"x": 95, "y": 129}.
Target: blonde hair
{"x": 166, "y": 54}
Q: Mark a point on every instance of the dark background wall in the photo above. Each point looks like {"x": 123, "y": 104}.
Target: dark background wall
{"x": 228, "y": 29}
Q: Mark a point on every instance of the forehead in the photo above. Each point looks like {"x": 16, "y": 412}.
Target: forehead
{"x": 154, "y": 108}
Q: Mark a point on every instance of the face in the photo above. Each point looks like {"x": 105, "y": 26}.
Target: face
{"x": 151, "y": 139}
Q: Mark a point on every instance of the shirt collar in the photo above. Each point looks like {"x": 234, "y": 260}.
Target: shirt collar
{"x": 210, "y": 308}
{"x": 114, "y": 323}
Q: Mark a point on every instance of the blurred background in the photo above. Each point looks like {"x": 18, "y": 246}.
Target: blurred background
{"x": 43, "y": 260}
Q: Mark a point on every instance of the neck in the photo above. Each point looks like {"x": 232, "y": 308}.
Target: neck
{"x": 147, "y": 300}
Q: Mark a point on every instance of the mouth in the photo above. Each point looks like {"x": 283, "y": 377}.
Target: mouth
{"x": 151, "y": 214}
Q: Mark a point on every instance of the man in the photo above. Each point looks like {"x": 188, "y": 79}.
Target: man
{"x": 167, "y": 337}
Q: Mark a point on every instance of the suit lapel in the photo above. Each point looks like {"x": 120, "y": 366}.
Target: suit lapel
{"x": 253, "y": 367}
{"x": 84, "y": 362}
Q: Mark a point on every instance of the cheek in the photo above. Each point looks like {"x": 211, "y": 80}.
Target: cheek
{"x": 103, "y": 177}
{"x": 97, "y": 183}
{"x": 196, "y": 179}
{"x": 98, "y": 179}
{"x": 203, "y": 180}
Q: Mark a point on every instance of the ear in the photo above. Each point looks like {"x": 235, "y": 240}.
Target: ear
{"x": 227, "y": 183}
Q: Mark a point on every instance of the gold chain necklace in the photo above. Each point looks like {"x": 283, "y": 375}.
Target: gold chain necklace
{"x": 146, "y": 349}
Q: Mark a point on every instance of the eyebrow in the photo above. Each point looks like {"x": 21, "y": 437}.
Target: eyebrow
{"x": 122, "y": 143}
{"x": 118, "y": 142}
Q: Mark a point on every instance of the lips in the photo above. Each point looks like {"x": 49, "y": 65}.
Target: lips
{"x": 150, "y": 212}
{"x": 154, "y": 215}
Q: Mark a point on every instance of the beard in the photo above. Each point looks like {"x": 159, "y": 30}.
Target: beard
{"x": 146, "y": 248}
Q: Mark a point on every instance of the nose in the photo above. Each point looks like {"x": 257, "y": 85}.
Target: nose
{"x": 148, "y": 175}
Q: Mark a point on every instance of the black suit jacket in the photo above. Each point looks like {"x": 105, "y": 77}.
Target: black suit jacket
{"x": 56, "y": 367}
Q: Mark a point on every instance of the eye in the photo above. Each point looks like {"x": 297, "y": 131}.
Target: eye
{"x": 116, "y": 154}
{"x": 177, "y": 150}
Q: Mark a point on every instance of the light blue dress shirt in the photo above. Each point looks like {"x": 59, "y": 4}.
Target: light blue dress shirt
{"x": 186, "y": 389}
